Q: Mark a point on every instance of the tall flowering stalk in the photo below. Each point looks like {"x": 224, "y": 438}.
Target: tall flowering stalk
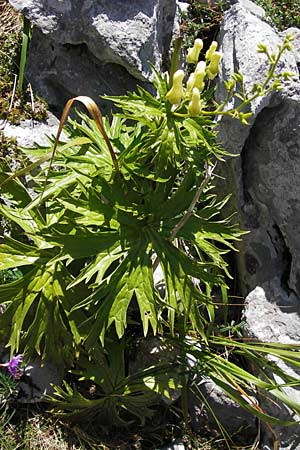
{"x": 189, "y": 101}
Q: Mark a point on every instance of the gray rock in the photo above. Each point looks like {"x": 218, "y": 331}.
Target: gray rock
{"x": 271, "y": 198}
{"x": 240, "y": 34}
{"x": 274, "y": 317}
{"x": 295, "y": 33}
{"x": 239, "y": 424}
{"x": 264, "y": 182}
{"x": 37, "y": 382}
{"x": 29, "y": 133}
{"x": 177, "y": 445}
{"x": 81, "y": 47}
{"x": 251, "y": 7}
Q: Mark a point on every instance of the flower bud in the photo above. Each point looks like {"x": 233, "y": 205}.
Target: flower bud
{"x": 191, "y": 82}
{"x": 193, "y": 52}
{"x": 200, "y": 74}
{"x": 213, "y": 68}
{"x": 211, "y": 50}
{"x": 176, "y": 93}
{"x": 196, "y": 78}
{"x": 195, "y": 103}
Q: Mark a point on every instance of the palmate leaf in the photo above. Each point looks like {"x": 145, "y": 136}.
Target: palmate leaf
{"x": 25, "y": 292}
{"x": 98, "y": 267}
{"x": 118, "y": 396}
{"x": 140, "y": 106}
{"x": 16, "y": 254}
{"x": 111, "y": 406}
{"x": 38, "y": 303}
{"x": 82, "y": 244}
{"x": 110, "y": 301}
{"x": 179, "y": 270}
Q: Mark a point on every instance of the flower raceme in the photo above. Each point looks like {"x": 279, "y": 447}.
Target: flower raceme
{"x": 196, "y": 81}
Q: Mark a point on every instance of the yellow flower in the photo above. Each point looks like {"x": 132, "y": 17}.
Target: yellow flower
{"x": 213, "y": 69}
{"x": 196, "y": 78}
{"x": 211, "y": 50}
{"x": 193, "y": 52}
{"x": 200, "y": 73}
{"x": 176, "y": 93}
{"x": 195, "y": 103}
{"x": 190, "y": 83}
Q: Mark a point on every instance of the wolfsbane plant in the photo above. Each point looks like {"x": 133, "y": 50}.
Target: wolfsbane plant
{"x": 119, "y": 198}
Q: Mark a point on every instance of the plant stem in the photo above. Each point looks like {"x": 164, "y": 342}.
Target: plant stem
{"x": 25, "y": 40}
{"x": 189, "y": 212}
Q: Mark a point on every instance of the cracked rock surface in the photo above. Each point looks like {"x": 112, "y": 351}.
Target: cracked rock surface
{"x": 264, "y": 180}
{"x": 84, "y": 47}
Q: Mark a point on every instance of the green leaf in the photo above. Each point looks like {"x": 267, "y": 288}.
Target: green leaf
{"x": 81, "y": 245}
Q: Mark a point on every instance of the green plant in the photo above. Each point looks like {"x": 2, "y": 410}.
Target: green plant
{"x": 282, "y": 13}
{"x": 16, "y": 102}
{"x": 8, "y": 388}
{"x": 120, "y": 198}
{"x": 25, "y": 40}
{"x": 202, "y": 20}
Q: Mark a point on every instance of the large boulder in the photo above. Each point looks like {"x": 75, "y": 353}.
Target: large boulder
{"x": 263, "y": 177}
{"x": 84, "y": 47}
{"x": 274, "y": 318}
{"x": 264, "y": 181}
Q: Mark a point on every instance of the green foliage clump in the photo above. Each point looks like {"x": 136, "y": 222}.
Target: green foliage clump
{"x": 121, "y": 199}
{"x": 282, "y": 13}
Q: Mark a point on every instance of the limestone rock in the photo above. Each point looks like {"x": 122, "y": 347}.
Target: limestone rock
{"x": 276, "y": 321}
{"x": 29, "y": 133}
{"x": 241, "y": 32}
{"x": 235, "y": 419}
{"x": 264, "y": 181}
{"x": 81, "y": 47}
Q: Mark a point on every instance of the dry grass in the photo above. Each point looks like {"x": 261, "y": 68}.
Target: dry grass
{"x": 10, "y": 19}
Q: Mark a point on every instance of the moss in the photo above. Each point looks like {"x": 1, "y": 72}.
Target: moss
{"x": 10, "y": 154}
{"x": 282, "y": 14}
{"x": 202, "y": 20}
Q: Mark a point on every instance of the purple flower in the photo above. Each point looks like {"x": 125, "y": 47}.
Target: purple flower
{"x": 13, "y": 366}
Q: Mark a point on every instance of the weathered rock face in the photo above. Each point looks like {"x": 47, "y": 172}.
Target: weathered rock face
{"x": 30, "y": 133}
{"x": 84, "y": 47}
{"x": 264, "y": 180}
{"x": 270, "y": 321}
